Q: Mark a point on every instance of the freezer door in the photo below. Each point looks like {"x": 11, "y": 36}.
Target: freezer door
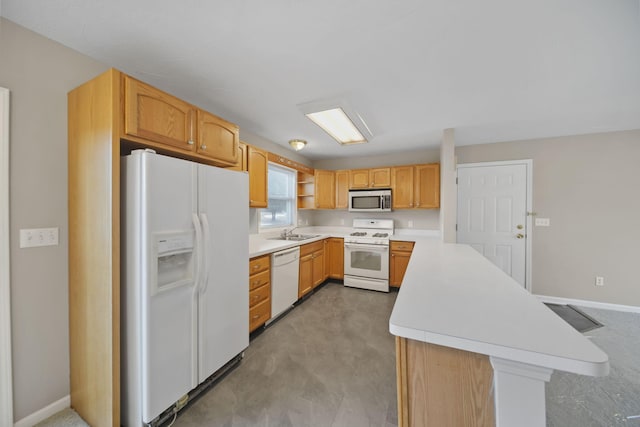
{"x": 159, "y": 292}
{"x": 224, "y": 296}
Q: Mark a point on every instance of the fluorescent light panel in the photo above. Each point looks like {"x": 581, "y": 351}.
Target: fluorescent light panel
{"x": 337, "y": 124}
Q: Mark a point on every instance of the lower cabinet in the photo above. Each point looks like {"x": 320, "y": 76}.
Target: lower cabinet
{"x": 334, "y": 258}
{"x": 400, "y": 255}
{"x": 312, "y": 272}
{"x": 259, "y": 291}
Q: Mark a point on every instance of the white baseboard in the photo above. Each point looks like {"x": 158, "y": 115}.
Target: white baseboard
{"x": 592, "y": 304}
{"x": 44, "y": 413}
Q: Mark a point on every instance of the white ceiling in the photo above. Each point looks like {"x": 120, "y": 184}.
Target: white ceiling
{"x": 494, "y": 70}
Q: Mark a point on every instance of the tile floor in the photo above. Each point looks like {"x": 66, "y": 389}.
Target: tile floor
{"x": 329, "y": 362}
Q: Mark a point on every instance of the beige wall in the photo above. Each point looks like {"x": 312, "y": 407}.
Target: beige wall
{"x": 587, "y": 186}
{"x": 427, "y": 219}
{"x": 39, "y": 73}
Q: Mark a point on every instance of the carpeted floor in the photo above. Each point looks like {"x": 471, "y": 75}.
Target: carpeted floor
{"x": 65, "y": 418}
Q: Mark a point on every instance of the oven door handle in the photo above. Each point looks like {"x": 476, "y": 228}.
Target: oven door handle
{"x": 379, "y": 248}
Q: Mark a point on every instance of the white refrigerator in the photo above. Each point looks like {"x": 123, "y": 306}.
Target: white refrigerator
{"x": 184, "y": 292}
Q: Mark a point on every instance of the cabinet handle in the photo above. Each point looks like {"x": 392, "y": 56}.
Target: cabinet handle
{"x": 255, "y": 297}
{"x": 190, "y": 142}
{"x": 257, "y": 316}
{"x": 410, "y": 205}
{"x": 255, "y": 267}
{"x": 203, "y": 146}
{"x": 393, "y": 254}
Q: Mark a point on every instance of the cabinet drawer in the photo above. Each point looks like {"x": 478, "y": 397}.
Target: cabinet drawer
{"x": 258, "y": 295}
{"x": 259, "y": 279}
{"x": 259, "y": 314}
{"x": 398, "y": 245}
{"x": 311, "y": 248}
{"x": 259, "y": 264}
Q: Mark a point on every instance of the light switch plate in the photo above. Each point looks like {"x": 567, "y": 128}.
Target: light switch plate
{"x": 543, "y": 222}
{"x": 34, "y": 237}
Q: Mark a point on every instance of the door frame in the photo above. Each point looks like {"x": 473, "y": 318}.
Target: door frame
{"x": 6, "y": 384}
{"x": 528, "y": 285}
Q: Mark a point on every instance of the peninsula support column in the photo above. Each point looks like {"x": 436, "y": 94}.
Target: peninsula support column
{"x": 448, "y": 189}
{"x": 519, "y": 393}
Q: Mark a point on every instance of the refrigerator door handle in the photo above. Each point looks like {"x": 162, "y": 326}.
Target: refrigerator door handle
{"x": 206, "y": 230}
{"x": 198, "y": 258}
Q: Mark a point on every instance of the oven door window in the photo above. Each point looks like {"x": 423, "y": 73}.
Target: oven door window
{"x": 366, "y": 260}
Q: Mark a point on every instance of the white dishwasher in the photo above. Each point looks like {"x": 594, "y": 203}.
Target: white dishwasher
{"x": 284, "y": 280}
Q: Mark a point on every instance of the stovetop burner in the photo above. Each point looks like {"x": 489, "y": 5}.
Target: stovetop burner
{"x": 358, "y": 233}
{"x": 381, "y": 235}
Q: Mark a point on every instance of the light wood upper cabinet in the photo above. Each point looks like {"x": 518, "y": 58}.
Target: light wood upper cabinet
{"x": 359, "y": 178}
{"x": 325, "y": 192}
{"x": 370, "y": 178}
{"x": 157, "y": 116}
{"x": 427, "y": 186}
{"x": 306, "y": 190}
{"x": 380, "y": 178}
{"x": 416, "y": 186}
{"x": 241, "y": 165}
{"x": 217, "y": 138}
{"x": 342, "y": 189}
{"x": 257, "y": 166}
{"x": 402, "y": 187}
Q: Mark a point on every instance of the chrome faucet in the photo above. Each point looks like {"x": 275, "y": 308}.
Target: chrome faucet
{"x": 286, "y": 233}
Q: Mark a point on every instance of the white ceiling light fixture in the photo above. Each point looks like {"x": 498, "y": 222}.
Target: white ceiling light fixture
{"x": 337, "y": 124}
{"x": 339, "y": 120}
{"x": 297, "y": 144}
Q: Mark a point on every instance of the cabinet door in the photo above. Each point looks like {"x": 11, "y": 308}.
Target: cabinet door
{"x": 257, "y": 166}
{"x": 241, "y": 165}
{"x": 427, "y": 186}
{"x": 380, "y": 177}
{"x": 342, "y": 189}
{"x": 359, "y": 178}
{"x": 402, "y": 187}
{"x": 397, "y": 267}
{"x": 217, "y": 139}
{"x": 334, "y": 258}
{"x": 156, "y": 116}
{"x": 318, "y": 267}
{"x": 305, "y": 280}
{"x": 325, "y": 193}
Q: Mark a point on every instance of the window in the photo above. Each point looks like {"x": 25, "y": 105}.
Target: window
{"x": 282, "y": 198}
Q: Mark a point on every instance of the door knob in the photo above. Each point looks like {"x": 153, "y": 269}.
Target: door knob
{"x": 519, "y": 226}
{"x": 520, "y": 236}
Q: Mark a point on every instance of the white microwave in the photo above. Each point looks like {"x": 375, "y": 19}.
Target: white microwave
{"x": 378, "y": 200}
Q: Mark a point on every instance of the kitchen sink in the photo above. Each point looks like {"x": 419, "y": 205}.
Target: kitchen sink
{"x": 295, "y": 237}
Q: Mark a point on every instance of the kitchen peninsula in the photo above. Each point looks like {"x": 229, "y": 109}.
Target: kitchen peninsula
{"x": 473, "y": 347}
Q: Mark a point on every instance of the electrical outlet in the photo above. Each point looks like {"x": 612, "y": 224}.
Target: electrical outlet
{"x": 543, "y": 222}
{"x": 599, "y": 281}
{"x": 34, "y": 237}
{"x": 410, "y": 224}
{"x": 341, "y": 221}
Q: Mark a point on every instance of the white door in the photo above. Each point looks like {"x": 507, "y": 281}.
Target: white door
{"x": 492, "y": 213}
{"x": 223, "y": 304}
